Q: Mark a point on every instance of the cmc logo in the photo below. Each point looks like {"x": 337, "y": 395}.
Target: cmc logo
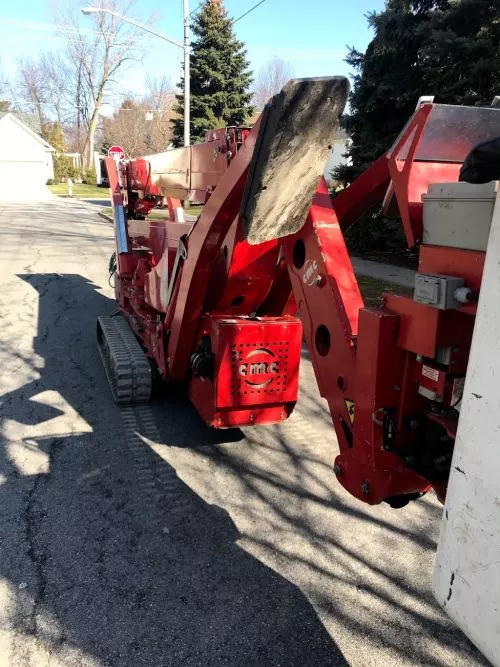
{"x": 259, "y": 368}
{"x": 310, "y": 268}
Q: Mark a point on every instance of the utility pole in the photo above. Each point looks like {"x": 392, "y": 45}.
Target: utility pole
{"x": 78, "y": 108}
{"x": 187, "y": 80}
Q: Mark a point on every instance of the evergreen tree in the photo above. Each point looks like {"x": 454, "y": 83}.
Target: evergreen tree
{"x": 63, "y": 164}
{"x": 461, "y": 53}
{"x": 54, "y": 135}
{"x": 220, "y": 79}
{"x": 446, "y": 48}
{"x": 388, "y": 80}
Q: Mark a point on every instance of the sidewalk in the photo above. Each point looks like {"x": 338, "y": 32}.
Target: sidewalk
{"x": 393, "y": 274}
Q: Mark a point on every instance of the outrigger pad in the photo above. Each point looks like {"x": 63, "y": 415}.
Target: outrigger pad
{"x": 296, "y": 134}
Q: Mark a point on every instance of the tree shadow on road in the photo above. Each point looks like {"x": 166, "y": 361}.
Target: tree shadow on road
{"x": 367, "y": 570}
{"x": 110, "y": 557}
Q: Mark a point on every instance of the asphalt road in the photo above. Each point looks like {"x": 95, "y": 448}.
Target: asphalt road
{"x": 139, "y": 537}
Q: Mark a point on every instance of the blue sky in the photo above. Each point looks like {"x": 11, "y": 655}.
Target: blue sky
{"x": 312, "y": 36}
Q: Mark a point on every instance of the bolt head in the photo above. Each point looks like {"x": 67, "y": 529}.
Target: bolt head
{"x": 365, "y": 489}
{"x": 337, "y": 470}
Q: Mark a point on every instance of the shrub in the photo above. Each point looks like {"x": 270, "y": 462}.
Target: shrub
{"x": 63, "y": 167}
{"x": 374, "y": 232}
{"x": 50, "y": 181}
{"x": 89, "y": 176}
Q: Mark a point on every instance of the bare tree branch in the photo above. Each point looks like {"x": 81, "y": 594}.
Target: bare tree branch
{"x": 32, "y": 88}
{"x": 143, "y": 126}
{"x": 6, "y": 100}
{"x": 270, "y": 80}
{"x": 161, "y": 100}
{"x": 97, "y": 57}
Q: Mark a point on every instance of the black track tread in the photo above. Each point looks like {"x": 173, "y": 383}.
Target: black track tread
{"x": 125, "y": 362}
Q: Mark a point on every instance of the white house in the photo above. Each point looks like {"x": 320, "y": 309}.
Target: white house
{"x": 336, "y": 157}
{"x": 25, "y": 158}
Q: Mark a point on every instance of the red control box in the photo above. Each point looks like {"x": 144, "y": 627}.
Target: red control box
{"x": 255, "y": 371}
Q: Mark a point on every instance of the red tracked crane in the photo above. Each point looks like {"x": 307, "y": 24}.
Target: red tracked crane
{"x": 214, "y": 302}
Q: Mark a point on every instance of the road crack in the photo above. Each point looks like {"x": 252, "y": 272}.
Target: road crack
{"x": 32, "y": 517}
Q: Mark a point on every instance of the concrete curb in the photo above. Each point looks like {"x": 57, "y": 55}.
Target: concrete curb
{"x": 106, "y": 217}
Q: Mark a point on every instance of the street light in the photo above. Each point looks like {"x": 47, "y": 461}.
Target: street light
{"x": 184, "y": 45}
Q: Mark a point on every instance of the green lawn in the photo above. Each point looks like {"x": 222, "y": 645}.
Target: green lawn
{"x": 194, "y": 210}
{"x": 80, "y": 190}
{"x": 372, "y": 289}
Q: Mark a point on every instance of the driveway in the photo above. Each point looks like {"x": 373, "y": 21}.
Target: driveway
{"x": 24, "y": 192}
{"x": 138, "y": 537}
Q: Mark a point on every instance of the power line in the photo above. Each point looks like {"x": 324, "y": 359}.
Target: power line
{"x": 34, "y": 25}
{"x": 66, "y": 30}
{"x": 239, "y": 17}
{"x": 248, "y": 12}
{"x": 195, "y": 10}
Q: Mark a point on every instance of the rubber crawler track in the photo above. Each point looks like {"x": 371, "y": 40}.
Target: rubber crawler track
{"x": 125, "y": 363}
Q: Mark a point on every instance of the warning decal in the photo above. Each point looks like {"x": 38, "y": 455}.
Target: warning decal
{"x": 350, "y": 409}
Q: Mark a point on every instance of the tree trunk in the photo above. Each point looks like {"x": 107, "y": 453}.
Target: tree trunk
{"x": 92, "y": 128}
{"x": 40, "y": 115}
{"x": 91, "y": 138}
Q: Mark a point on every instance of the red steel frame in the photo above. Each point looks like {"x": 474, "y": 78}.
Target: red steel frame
{"x": 220, "y": 281}
{"x": 367, "y": 362}
{"x": 355, "y": 359}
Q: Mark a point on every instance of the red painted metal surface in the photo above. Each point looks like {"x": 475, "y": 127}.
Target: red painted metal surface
{"x": 418, "y": 324}
{"x": 190, "y": 288}
{"x": 373, "y": 373}
{"x": 125, "y": 265}
{"x": 205, "y": 242}
{"x": 321, "y": 273}
{"x": 468, "y": 264}
{"x": 364, "y": 193}
{"x": 174, "y": 208}
{"x": 365, "y": 468}
{"x": 423, "y": 329}
{"x": 356, "y": 370}
{"x": 401, "y": 173}
{"x": 434, "y": 380}
{"x": 256, "y": 371}
{"x": 224, "y": 276}
{"x": 187, "y": 173}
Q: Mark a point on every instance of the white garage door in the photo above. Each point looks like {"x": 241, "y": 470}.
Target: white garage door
{"x": 21, "y": 181}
